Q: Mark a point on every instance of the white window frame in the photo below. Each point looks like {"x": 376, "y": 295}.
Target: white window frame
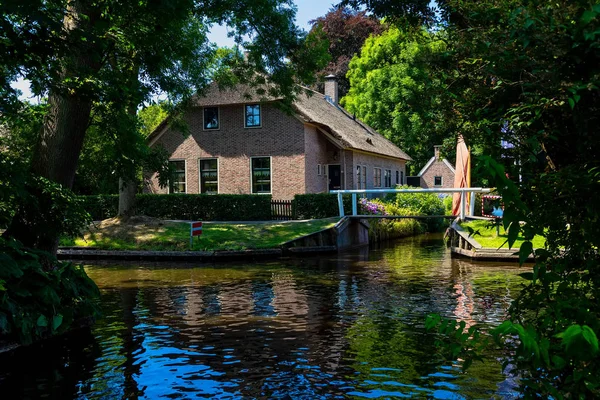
{"x": 318, "y": 169}
{"x": 200, "y": 173}
{"x": 441, "y": 181}
{"x": 218, "y": 119}
{"x": 359, "y": 177}
{"x": 186, "y": 175}
{"x": 270, "y": 170}
{"x": 259, "y": 116}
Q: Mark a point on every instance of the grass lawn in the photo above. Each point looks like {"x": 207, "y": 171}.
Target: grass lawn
{"x": 143, "y": 233}
{"x": 488, "y": 237}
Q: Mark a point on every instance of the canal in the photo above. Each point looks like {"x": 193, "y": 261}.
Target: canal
{"x": 341, "y": 326}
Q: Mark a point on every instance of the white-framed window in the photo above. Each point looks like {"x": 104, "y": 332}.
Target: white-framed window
{"x": 178, "y": 176}
{"x": 377, "y": 177}
{"x": 437, "y": 181}
{"x": 210, "y": 118}
{"x": 318, "y": 169}
{"x": 252, "y": 116}
{"x": 397, "y": 177}
{"x": 402, "y": 177}
{"x": 209, "y": 175}
{"x": 359, "y": 177}
{"x": 388, "y": 178}
{"x": 260, "y": 174}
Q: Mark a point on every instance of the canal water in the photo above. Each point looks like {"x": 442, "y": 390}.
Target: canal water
{"x": 345, "y": 326}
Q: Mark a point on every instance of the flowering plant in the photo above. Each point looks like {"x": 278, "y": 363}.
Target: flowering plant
{"x": 372, "y": 208}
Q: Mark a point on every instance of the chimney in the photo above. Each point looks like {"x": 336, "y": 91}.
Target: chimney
{"x": 331, "y": 88}
{"x": 436, "y": 151}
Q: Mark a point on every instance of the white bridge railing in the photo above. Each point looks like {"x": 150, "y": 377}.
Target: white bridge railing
{"x": 463, "y": 196}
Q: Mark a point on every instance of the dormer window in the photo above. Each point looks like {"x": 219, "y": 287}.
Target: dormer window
{"x": 211, "y": 118}
{"x": 252, "y": 117}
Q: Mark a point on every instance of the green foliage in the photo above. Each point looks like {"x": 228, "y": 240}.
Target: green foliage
{"x": 36, "y": 302}
{"x": 422, "y": 204}
{"x": 151, "y": 116}
{"x": 386, "y": 229}
{"x": 447, "y": 203}
{"x": 395, "y": 89}
{"x": 63, "y": 211}
{"x": 222, "y": 207}
{"x": 319, "y": 205}
{"x": 100, "y": 206}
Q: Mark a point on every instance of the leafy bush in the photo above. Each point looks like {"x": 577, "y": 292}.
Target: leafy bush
{"x": 319, "y": 205}
{"x": 101, "y": 206}
{"x": 422, "y": 204}
{"x": 221, "y": 207}
{"x": 447, "y": 202}
{"x": 36, "y": 302}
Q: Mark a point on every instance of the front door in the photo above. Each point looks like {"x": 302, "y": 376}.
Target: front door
{"x": 335, "y": 177}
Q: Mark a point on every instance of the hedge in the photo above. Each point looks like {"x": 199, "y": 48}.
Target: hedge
{"x": 320, "y": 205}
{"x": 101, "y": 206}
{"x": 221, "y": 207}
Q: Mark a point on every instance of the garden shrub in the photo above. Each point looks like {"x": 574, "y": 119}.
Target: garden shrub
{"x": 220, "y": 207}
{"x": 101, "y": 206}
{"x": 447, "y": 202}
{"x": 37, "y": 302}
{"x": 319, "y": 205}
{"x": 385, "y": 229}
{"x": 423, "y": 204}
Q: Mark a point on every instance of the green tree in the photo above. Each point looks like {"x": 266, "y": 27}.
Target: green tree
{"x": 152, "y": 116}
{"x": 395, "y": 89}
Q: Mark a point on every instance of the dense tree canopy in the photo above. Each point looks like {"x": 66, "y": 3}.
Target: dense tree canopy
{"x": 395, "y": 89}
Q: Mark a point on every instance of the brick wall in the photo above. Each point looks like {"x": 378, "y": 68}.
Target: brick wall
{"x": 371, "y": 162}
{"x": 437, "y": 168}
{"x": 281, "y": 137}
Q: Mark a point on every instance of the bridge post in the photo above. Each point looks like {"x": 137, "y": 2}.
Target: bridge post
{"x": 354, "y": 205}
{"x": 472, "y": 205}
{"x": 463, "y": 206}
{"x": 341, "y": 204}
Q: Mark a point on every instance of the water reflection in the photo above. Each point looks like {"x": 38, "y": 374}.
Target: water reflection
{"x": 332, "y": 327}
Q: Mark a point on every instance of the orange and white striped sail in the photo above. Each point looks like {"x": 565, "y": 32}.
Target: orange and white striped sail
{"x": 462, "y": 178}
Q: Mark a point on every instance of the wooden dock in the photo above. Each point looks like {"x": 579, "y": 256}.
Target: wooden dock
{"x": 463, "y": 245}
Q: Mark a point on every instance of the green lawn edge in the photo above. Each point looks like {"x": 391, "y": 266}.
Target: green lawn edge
{"x": 175, "y": 236}
{"x": 486, "y": 236}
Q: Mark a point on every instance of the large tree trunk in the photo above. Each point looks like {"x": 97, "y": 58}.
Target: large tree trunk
{"x": 59, "y": 145}
{"x": 127, "y": 189}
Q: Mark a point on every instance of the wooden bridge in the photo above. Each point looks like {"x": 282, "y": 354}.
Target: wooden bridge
{"x": 463, "y": 197}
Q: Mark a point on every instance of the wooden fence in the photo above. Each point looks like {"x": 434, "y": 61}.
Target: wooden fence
{"x": 282, "y": 210}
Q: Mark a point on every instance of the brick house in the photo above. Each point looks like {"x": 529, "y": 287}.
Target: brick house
{"x": 437, "y": 173}
{"x": 241, "y": 145}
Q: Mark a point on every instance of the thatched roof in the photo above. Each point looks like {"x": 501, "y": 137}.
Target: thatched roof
{"x": 345, "y": 128}
{"x": 311, "y": 107}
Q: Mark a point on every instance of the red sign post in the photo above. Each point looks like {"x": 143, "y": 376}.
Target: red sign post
{"x": 195, "y": 230}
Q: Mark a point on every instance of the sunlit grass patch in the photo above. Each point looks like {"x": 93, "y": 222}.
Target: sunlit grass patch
{"x": 486, "y": 234}
{"x": 152, "y": 234}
